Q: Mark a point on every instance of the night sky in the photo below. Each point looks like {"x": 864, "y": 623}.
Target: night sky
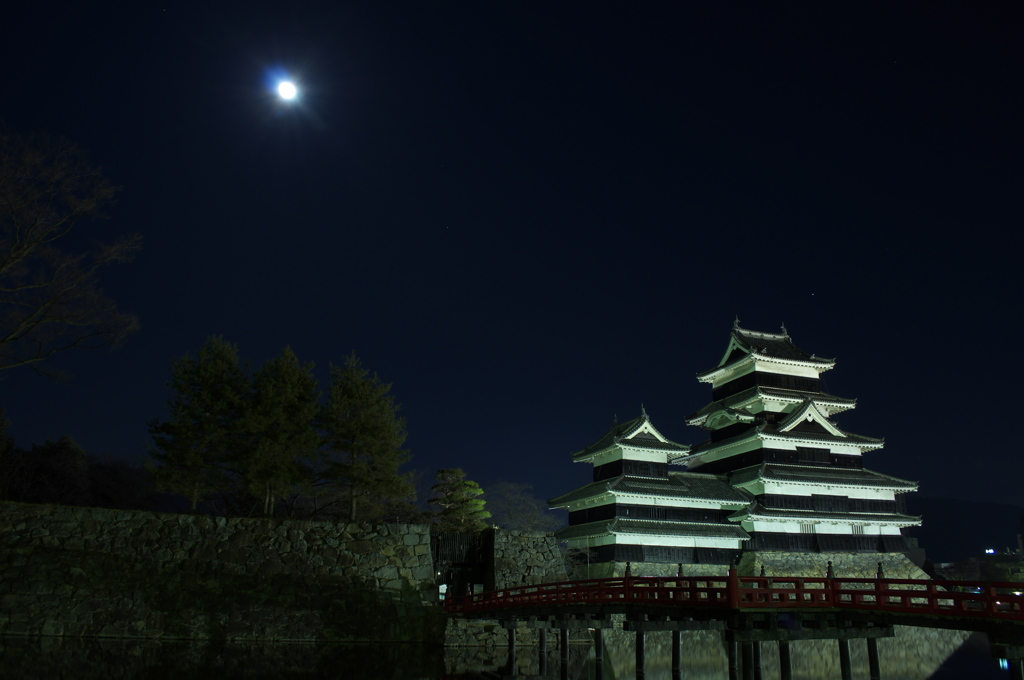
{"x": 532, "y": 218}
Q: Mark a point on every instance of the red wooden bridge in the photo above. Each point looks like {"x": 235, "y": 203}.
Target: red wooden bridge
{"x": 1002, "y": 602}
{"x": 760, "y": 608}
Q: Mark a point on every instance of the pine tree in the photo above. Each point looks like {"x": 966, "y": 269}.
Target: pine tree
{"x": 193, "y": 447}
{"x": 362, "y": 444}
{"x": 281, "y": 439}
{"x": 462, "y": 511}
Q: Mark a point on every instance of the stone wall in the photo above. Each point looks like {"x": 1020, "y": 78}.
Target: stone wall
{"x": 108, "y": 573}
{"x": 814, "y": 565}
{"x": 618, "y": 569}
{"x": 519, "y": 558}
{"x": 526, "y": 558}
{"x": 809, "y": 565}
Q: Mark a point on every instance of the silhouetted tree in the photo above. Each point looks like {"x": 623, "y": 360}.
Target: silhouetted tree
{"x": 8, "y": 468}
{"x": 461, "y": 508}
{"x": 50, "y": 300}
{"x": 280, "y": 440}
{"x": 113, "y": 483}
{"x": 54, "y": 472}
{"x": 512, "y": 506}
{"x": 362, "y": 446}
{"x": 204, "y": 431}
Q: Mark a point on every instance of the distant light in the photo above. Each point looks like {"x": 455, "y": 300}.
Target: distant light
{"x": 990, "y": 551}
{"x": 287, "y": 90}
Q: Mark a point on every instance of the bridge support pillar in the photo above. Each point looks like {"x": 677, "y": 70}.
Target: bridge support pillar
{"x": 1016, "y": 669}
{"x": 755, "y": 658}
{"x": 748, "y": 661}
{"x": 845, "y": 670}
{"x": 785, "y": 662}
{"x": 874, "y": 668}
{"x": 513, "y": 667}
{"x": 734, "y": 662}
{"x": 599, "y": 653}
{"x": 677, "y": 653}
{"x": 641, "y": 651}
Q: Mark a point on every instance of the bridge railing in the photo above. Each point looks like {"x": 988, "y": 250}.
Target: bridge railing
{"x": 952, "y": 598}
{"x": 941, "y": 598}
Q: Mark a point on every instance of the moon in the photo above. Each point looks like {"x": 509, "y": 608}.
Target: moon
{"x": 286, "y": 90}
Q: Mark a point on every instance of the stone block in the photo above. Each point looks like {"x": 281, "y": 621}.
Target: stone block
{"x": 387, "y": 572}
{"x": 362, "y": 547}
{"x": 423, "y": 573}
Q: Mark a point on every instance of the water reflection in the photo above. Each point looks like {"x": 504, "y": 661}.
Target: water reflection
{"x": 47, "y": 658}
{"x": 913, "y": 654}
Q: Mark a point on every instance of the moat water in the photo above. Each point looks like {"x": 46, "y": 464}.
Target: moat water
{"x": 919, "y": 655}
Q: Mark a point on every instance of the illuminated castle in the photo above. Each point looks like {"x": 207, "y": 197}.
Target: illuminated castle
{"x": 776, "y": 474}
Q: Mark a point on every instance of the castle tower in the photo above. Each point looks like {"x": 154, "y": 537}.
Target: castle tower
{"x": 637, "y": 510}
{"x": 772, "y": 436}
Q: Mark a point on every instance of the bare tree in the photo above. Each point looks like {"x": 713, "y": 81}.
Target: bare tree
{"x": 513, "y": 507}
{"x": 50, "y": 300}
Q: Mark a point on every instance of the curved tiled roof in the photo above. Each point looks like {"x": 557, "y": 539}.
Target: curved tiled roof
{"x": 759, "y": 510}
{"x": 778, "y": 392}
{"x": 771, "y": 429}
{"x": 773, "y": 345}
{"x": 820, "y": 475}
{"x": 678, "y": 485}
{"x": 623, "y": 434}
{"x": 650, "y": 528}
{"x": 778, "y": 345}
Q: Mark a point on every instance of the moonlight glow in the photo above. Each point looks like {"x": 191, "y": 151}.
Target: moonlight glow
{"x": 287, "y": 90}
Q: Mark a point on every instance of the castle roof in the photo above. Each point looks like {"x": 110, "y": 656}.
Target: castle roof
{"x": 813, "y": 433}
{"x": 758, "y": 511}
{"x": 622, "y": 525}
{"x": 679, "y": 485}
{"x": 808, "y": 474}
{"x": 830, "y": 402}
{"x": 637, "y": 433}
{"x": 747, "y": 345}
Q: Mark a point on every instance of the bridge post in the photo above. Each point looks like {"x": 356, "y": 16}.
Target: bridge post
{"x": 513, "y": 667}
{"x": 845, "y": 670}
{"x": 829, "y": 594}
{"x": 755, "y": 659}
{"x": 734, "y": 666}
{"x": 732, "y": 588}
{"x": 748, "y": 661}
{"x": 641, "y": 648}
{"x": 785, "y": 662}
{"x": 874, "y": 668}
{"x": 599, "y": 649}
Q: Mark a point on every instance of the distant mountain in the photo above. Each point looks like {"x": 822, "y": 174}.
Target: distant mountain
{"x": 955, "y": 530}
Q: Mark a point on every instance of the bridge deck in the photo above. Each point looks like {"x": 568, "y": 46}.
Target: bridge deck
{"x": 946, "y": 604}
